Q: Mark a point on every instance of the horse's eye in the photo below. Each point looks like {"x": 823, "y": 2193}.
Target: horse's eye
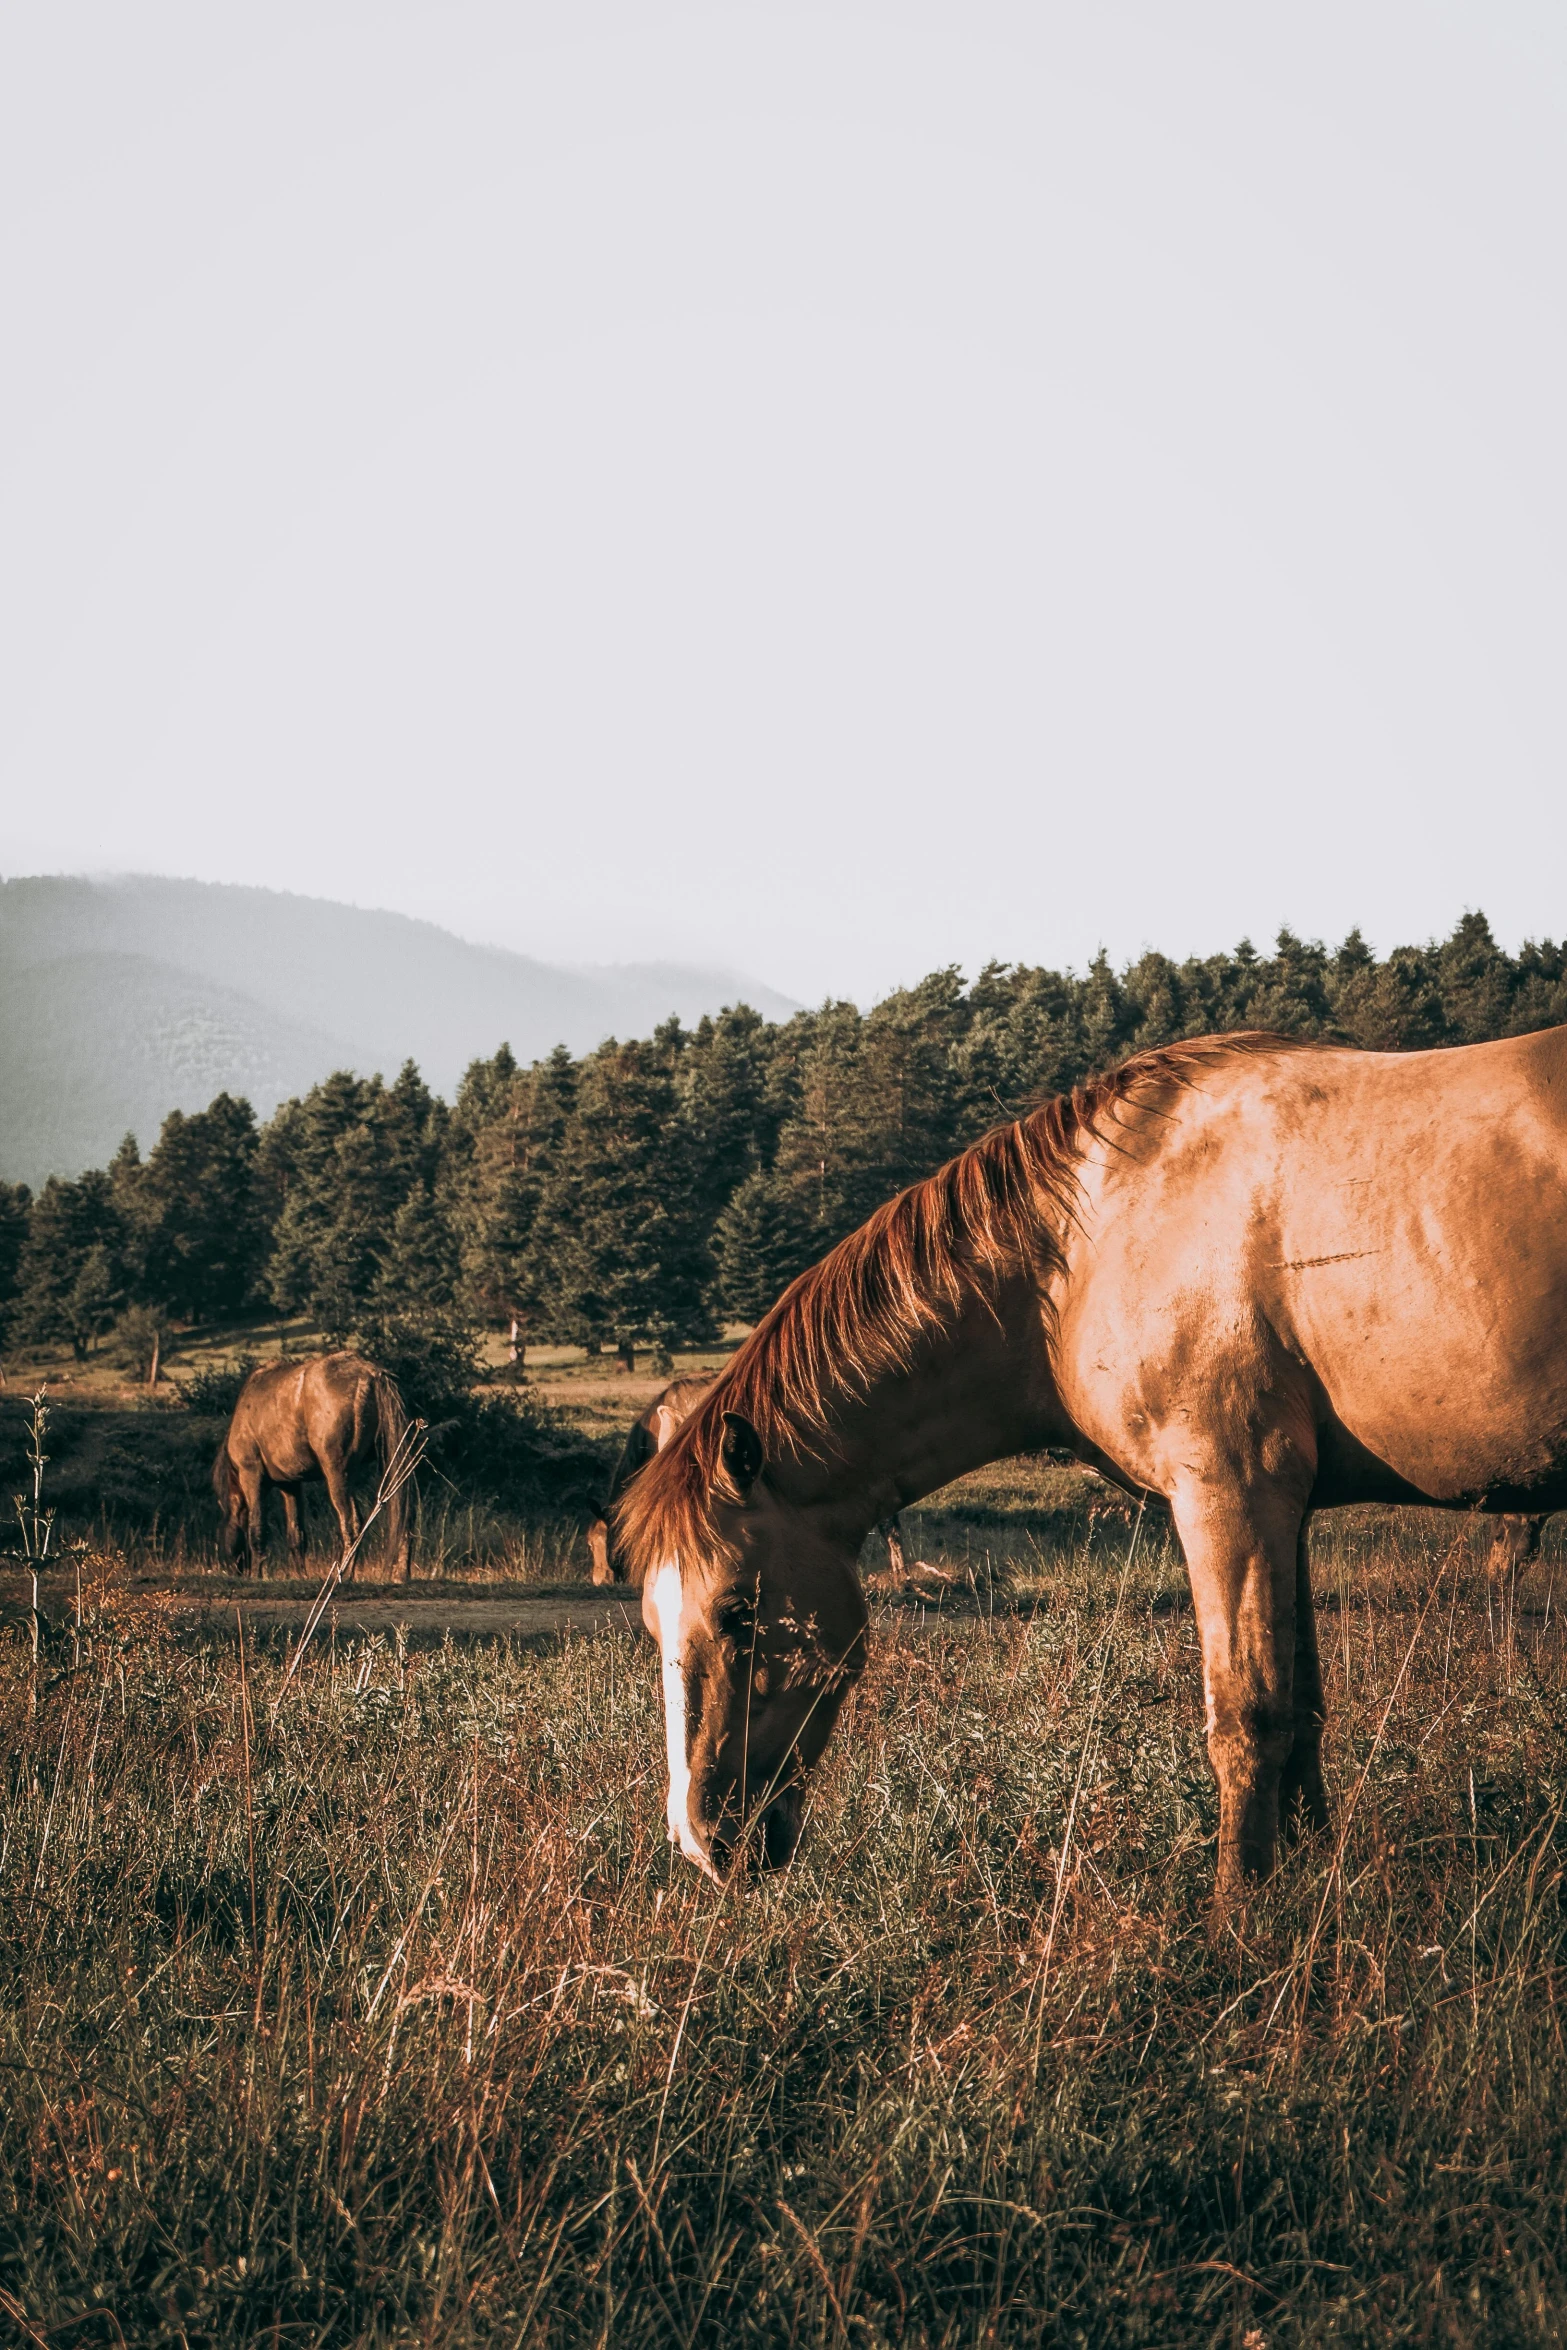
{"x": 736, "y": 1620}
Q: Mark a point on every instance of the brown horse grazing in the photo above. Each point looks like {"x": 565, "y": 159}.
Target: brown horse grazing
{"x": 1256, "y": 1277}
{"x": 647, "y": 1435}
{"x": 313, "y": 1416}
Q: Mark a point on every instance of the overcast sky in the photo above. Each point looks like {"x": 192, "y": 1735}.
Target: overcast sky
{"x": 831, "y": 490}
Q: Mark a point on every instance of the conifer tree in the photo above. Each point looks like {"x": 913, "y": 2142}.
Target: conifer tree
{"x": 619, "y": 1242}
{"x": 506, "y": 1137}
{"x": 97, "y": 1295}
{"x": 298, "y": 1164}
{"x": 729, "y": 1100}
{"x": 198, "y": 1207}
{"x": 820, "y": 1146}
{"x": 1539, "y": 998}
{"x": 880, "y": 1105}
{"x": 764, "y": 1236}
{"x": 344, "y": 1159}
{"x": 1022, "y": 1040}
{"x": 15, "y": 1201}
{"x": 1475, "y": 981}
{"x": 71, "y": 1279}
{"x": 418, "y": 1267}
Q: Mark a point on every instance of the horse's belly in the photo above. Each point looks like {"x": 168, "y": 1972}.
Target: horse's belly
{"x": 286, "y": 1464}
{"x": 1457, "y": 1386}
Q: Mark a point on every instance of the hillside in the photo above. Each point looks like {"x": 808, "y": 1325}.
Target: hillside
{"x": 124, "y": 999}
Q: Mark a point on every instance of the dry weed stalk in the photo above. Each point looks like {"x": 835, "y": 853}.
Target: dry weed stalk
{"x": 404, "y": 1463}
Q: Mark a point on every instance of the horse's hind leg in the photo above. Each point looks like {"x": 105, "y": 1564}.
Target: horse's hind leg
{"x": 1241, "y": 1543}
{"x": 336, "y": 1474}
{"x": 1303, "y": 1799}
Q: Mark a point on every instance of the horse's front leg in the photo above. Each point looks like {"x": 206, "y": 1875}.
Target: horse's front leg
{"x": 1241, "y": 1544}
{"x": 252, "y": 1485}
{"x": 296, "y": 1536}
{"x": 1514, "y": 1544}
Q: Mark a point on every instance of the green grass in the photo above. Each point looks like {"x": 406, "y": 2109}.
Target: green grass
{"x": 393, "y": 2020}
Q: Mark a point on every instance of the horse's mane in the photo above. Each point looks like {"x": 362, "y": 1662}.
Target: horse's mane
{"x": 860, "y": 1314}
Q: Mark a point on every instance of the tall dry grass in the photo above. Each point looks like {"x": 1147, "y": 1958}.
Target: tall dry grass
{"x": 397, "y": 2023}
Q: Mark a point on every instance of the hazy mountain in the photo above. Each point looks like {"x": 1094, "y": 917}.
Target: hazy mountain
{"x": 128, "y": 998}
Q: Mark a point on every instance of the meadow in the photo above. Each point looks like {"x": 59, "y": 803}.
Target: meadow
{"x": 373, "y": 2009}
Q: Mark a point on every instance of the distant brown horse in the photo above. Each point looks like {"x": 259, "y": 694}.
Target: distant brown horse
{"x": 647, "y": 1435}
{"x": 1257, "y": 1277}
{"x": 311, "y": 1416}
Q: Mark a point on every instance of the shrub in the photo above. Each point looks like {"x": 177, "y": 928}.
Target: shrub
{"x": 212, "y": 1393}
{"x": 513, "y": 1449}
{"x": 505, "y": 1447}
{"x": 434, "y": 1358}
{"x": 139, "y": 1336}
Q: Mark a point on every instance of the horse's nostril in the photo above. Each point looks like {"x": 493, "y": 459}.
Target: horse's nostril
{"x": 778, "y": 1831}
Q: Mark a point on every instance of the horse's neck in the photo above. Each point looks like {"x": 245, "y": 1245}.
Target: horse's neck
{"x": 976, "y": 1393}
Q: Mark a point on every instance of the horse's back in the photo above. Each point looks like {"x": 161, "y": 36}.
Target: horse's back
{"x": 1384, "y": 1235}
{"x": 290, "y": 1410}
{"x": 674, "y": 1404}
{"x": 336, "y": 1399}
{"x": 654, "y": 1425}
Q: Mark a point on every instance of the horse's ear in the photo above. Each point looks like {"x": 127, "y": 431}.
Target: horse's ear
{"x": 740, "y": 1456}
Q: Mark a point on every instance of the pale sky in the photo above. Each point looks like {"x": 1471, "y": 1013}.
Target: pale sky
{"x": 828, "y": 490}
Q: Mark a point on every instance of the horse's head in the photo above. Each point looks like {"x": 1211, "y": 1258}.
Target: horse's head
{"x": 231, "y": 1500}
{"x": 761, "y": 1634}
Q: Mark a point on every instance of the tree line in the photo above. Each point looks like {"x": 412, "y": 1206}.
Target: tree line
{"x": 647, "y": 1192}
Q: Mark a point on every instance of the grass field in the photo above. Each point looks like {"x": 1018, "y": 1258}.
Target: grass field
{"x": 376, "y": 2011}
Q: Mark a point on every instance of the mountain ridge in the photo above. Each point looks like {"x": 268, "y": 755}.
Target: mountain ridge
{"x": 130, "y": 996}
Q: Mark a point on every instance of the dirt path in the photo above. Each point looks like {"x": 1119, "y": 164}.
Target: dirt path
{"x": 211, "y": 1607}
{"x": 528, "y": 1617}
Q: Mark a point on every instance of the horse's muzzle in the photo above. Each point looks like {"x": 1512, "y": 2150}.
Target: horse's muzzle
{"x": 766, "y": 1841}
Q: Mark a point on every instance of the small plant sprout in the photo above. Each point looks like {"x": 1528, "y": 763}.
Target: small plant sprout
{"x": 36, "y": 1523}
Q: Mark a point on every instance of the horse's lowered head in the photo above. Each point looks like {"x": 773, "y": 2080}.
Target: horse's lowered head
{"x": 231, "y": 1500}
{"x": 760, "y": 1623}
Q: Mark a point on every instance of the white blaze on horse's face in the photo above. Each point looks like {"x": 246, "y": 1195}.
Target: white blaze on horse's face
{"x": 666, "y": 1600}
